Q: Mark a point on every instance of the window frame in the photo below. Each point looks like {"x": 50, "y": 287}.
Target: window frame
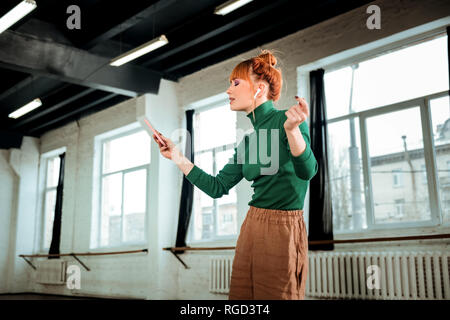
{"x": 101, "y": 176}
{"x": 397, "y": 173}
{"x": 429, "y": 155}
{"x": 368, "y": 51}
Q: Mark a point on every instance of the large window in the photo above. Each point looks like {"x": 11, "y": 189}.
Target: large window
{"x": 388, "y": 122}
{"x": 214, "y": 219}
{"x": 50, "y": 174}
{"x": 123, "y": 189}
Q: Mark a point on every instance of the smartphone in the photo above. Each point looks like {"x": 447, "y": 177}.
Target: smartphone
{"x": 149, "y": 128}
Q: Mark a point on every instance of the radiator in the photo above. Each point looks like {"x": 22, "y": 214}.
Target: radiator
{"x": 51, "y": 271}
{"x": 220, "y": 273}
{"x": 403, "y": 275}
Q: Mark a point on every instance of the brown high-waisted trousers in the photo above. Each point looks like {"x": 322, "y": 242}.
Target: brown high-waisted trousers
{"x": 271, "y": 256}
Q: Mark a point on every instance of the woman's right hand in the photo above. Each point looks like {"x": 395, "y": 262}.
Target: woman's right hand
{"x": 169, "y": 151}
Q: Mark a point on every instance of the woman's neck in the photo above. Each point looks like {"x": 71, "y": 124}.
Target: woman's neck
{"x": 258, "y": 102}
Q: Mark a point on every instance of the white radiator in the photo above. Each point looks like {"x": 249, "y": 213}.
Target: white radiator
{"x": 403, "y": 275}
{"x": 220, "y": 273}
{"x": 343, "y": 275}
{"x": 51, "y": 271}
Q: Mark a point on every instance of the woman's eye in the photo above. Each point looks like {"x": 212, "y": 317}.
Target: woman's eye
{"x": 236, "y": 83}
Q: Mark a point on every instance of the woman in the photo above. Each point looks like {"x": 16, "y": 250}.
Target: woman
{"x": 270, "y": 259}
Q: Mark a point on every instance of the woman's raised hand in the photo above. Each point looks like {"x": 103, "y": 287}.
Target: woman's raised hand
{"x": 169, "y": 151}
{"x": 296, "y": 114}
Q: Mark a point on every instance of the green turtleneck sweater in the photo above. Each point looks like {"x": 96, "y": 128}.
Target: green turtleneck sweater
{"x": 279, "y": 182}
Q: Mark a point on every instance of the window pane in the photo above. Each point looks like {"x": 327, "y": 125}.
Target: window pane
{"x": 134, "y": 204}
{"x": 53, "y": 171}
{"x": 227, "y": 209}
{"x": 346, "y": 176}
{"x": 410, "y": 75}
{"x": 126, "y": 152}
{"x": 50, "y": 202}
{"x": 389, "y": 78}
{"x": 396, "y": 158}
{"x": 203, "y": 206}
{"x": 337, "y": 92}
{"x": 211, "y": 133}
{"x": 214, "y": 127}
{"x": 111, "y": 210}
{"x": 440, "y": 117}
{"x": 205, "y": 162}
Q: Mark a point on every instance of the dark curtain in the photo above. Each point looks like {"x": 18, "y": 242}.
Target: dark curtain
{"x": 56, "y": 234}
{"x": 320, "y": 209}
{"x": 187, "y": 190}
{"x": 448, "y": 53}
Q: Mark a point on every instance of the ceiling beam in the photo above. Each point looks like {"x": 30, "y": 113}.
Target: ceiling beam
{"x": 26, "y": 91}
{"x": 10, "y": 139}
{"x": 77, "y": 111}
{"x": 52, "y": 108}
{"x": 29, "y": 54}
{"x": 128, "y": 23}
{"x": 215, "y": 32}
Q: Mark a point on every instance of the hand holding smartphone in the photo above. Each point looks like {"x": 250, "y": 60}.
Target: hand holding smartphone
{"x": 147, "y": 125}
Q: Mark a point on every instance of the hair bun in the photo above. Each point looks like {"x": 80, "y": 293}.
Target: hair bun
{"x": 268, "y": 57}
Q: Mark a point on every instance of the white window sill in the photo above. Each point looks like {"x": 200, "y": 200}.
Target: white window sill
{"x": 397, "y": 232}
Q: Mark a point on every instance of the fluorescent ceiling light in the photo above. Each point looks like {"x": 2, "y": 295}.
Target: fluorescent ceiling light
{"x": 26, "y": 108}
{"x": 229, "y": 6}
{"x": 16, "y": 13}
{"x": 140, "y": 51}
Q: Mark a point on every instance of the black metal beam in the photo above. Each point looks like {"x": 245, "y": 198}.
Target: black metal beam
{"x": 328, "y": 9}
{"x": 72, "y": 114}
{"x": 26, "y": 91}
{"x": 10, "y": 139}
{"x": 45, "y": 58}
{"x": 52, "y": 108}
{"x": 213, "y": 33}
{"x": 128, "y": 23}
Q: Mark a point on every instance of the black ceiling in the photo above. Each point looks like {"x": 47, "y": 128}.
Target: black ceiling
{"x": 68, "y": 69}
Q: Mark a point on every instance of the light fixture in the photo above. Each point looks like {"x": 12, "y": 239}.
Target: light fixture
{"x": 140, "y": 51}
{"x": 26, "y": 108}
{"x": 229, "y": 6}
{"x": 16, "y": 13}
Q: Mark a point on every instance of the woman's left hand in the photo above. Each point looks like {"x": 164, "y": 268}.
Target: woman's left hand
{"x": 296, "y": 114}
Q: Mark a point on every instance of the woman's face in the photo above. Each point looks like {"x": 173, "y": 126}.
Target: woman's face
{"x": 241, "y": 94}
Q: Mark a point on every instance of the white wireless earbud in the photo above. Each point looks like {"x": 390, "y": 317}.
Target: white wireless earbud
{"x": 257, "y": 91}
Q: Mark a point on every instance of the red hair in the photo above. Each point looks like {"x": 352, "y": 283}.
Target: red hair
{"x": 261, "y": 67}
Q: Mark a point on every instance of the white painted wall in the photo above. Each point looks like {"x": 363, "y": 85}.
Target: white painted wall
{"x": 158, "y": 274}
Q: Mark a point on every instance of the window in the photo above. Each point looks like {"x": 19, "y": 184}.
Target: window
{"x": 399, "y": 207}
{"x": 377, "y": 120}
{"x": 397, "y": 175}
{"x": 51, "y": 165}
{"x": 214, "y": 219}
{"x": 123, "y": 189}
{"x": 423, "y": 169}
